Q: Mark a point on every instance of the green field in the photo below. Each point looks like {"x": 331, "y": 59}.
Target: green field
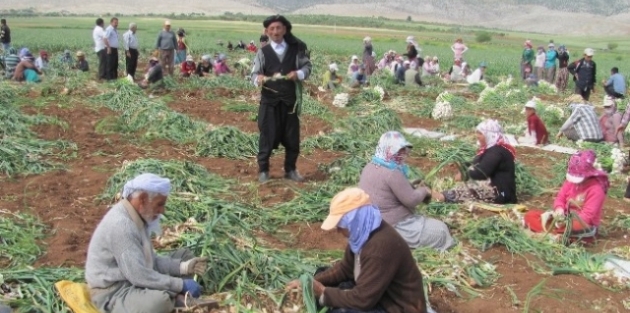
{"x": 70, "y": 143}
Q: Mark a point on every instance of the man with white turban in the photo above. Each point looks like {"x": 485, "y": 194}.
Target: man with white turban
{"x": 122, "y": 270}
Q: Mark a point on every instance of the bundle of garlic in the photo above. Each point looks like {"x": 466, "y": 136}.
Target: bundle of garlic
{"x": 380, "y": 91}
{"x": 619, "y": 160}
{"x": 442, "y": 108}
{"x": 545, "y": 87}
{"x": 341, "y": 100}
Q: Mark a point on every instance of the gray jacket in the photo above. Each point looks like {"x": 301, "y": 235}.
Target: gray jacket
{"x": 166, "y": 40}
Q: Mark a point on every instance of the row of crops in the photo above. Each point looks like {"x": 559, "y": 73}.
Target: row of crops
{"x": 214, "y": 214}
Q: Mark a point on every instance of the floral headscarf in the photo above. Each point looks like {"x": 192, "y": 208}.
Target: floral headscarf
{"x": 388, "y": 151}
{"x": 582, "y": 166}
{"x": 493, "y": 133}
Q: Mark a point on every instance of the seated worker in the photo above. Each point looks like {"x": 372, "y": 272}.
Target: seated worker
{"x": 244, "y": 67}
{"x": 42, "y": 61}
{"x": 610, "y": 121}
{"x": 455, "y": 72}
{"x": 535, "y": 126}
{"x": 82, "y": 64}
{"x": 122, "y": 271}
{"x": 385, "y": 180}
{"x": 477, "y": 75}
{"x": 377, "y": 274}
{"x": 220, "y": 66}
{"x": 495, "y": 162}
{"x": 615, "y": 86}
{"x": 11, "y": 61}
{"x": 188, "y": 67}
{"x": 204, "y": 68}
{"x": 412, "y": 77}
{"x": 582, "y": 124}
{"x": 583, "y": 193}
{"x": 154, "y": 74}
{"x": 26, "y": 70}
{"x": 331, "y": 80}
{"x": 359, "y": 79}
{"x": 66, "y": 58}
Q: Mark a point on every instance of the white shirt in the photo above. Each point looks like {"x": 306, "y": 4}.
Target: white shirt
{"x": 98, "y": 34}
{"x": 130, "y": 41}
{"x": 279, "y": 48}
{"x": 111, "y": 35}
{"x": 41, "y": 64}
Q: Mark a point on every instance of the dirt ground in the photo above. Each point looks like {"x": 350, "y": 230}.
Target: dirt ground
{"x": 66, "y": 200}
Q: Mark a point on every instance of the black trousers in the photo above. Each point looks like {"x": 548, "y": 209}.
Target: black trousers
{"x": 585, "y": 93}
{"x": 132, "y": 62}
{"x": 278, "y": 125}
{"x": 627, "y": 195}
{"x": 112, "y": 64}
{"x": 102, "y": 64}
{"x": 610, "y": 90}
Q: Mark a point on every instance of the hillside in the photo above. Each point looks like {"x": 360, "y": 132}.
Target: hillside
{"x": 594, "y": 17}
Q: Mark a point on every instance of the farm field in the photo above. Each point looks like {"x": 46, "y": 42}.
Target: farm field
{"x": 70, "y": 143}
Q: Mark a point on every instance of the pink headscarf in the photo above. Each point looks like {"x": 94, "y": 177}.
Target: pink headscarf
{"x": 581, "y": 167}
{"x": 528, "y": 43}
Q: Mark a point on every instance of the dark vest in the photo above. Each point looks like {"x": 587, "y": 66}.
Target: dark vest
{"x": 285, "y": 88}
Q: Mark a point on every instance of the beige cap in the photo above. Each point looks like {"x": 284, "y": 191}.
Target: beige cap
{"x": 167, "y": 23}
{"x": 80, "y": 53}
{"x": 589, "y": 52}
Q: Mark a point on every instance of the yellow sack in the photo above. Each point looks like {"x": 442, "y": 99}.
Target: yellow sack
{"x": 76, "y": 296}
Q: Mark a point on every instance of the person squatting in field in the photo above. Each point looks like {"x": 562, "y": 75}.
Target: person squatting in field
{"x": 278, "y": 68}
{"x": 385, "y": 179}
{"x": 122, "y": 270}
{"x": 583, "y": 193}
{"x": 377, "y": 274}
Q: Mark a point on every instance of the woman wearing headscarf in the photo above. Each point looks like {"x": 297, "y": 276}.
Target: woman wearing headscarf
{"x": 527, "y": 58}
{"x": 369, "y": 61}
{"x": 26, "y": 70}
{"x": 385, "y": 179}
{"x": 182, "y": 47}
{"x": 413, "y": 53}
{"x": 563, "y": 71}
{"x": 377, "y": 274}
{"x": 330, "y": 79}
{"x": 609, "y": 121}
{"x": 204, "y": 68}
{"x": 495, "y": 162}
{"x": 221, "y": 67}
{"x": 583, "y": 193}
{"x": 354, "y": 65}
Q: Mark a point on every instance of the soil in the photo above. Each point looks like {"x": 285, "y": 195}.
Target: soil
{"x": 66, "y": 200}
{"x": 410, "y": 120}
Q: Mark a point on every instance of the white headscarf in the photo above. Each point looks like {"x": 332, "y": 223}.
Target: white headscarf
{"x": 147, "y": 182}
{"x": 492, "y": 131}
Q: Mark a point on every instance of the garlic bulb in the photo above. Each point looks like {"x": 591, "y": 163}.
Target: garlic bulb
{"x": 341, "y": 100}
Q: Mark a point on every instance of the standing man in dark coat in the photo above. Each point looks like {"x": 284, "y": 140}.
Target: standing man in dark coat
{"x": 584, "y": 73}
{"x": 280, "y": 67}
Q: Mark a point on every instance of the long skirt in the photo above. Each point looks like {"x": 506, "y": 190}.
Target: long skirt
{"x": 180, "y": 56}
{"x": 563, "y": 79}
{"x": 370, "y": 65}
{"x": 471, "y": 191}
{"x": 526, "y": 69}
{"x": 420, "y": 231}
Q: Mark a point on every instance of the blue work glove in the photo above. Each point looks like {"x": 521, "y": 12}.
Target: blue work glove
{"x": 192, "y": 287}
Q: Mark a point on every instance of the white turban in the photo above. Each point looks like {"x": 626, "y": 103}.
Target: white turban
{"x": 149, "y": 183}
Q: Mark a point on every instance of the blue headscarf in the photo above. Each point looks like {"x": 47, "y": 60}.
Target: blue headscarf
{"x": 387, "y": 152}
{"x": 360, "y": 223}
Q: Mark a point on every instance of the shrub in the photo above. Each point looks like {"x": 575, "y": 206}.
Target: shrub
{"x": 483, "y": 37}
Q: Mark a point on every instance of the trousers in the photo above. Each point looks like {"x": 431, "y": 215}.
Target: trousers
{"x": 278, "y": 125}
{"x": 102, "y": 64}
{"x": 126, "y": 298}
{"x": 132, "y": 62}
{"x": 112, "y": 64}
{"x": 167, "y": 58}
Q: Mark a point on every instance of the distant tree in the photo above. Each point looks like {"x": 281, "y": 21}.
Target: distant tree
{"x": 408, "y": 18}
{"x": 483, "y": 37}
{"x": 613, "y": 45}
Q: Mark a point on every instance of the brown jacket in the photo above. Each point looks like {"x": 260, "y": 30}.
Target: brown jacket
{"x": 389, "y": 276}
{"x": 21, "y": 67}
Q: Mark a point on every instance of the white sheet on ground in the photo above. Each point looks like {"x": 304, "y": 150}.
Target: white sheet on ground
{"x": 423, "y": 133}
{"x": 619, "y": 267}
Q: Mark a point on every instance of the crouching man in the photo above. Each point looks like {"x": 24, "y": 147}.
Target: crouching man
{"x": 122, "y": 270}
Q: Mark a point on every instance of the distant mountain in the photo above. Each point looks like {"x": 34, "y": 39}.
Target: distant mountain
{"x": 598, "y": 7}
{"x": 577, "y": 17}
